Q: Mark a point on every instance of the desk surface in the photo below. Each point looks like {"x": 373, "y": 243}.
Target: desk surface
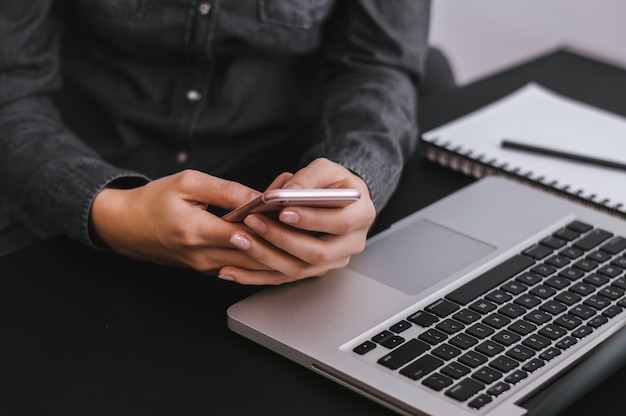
{"x": 95, "y": 334}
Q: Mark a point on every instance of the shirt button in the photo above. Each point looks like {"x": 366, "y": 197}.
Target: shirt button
{"x": 182, "y": 157}
{"x": 193, "y": 95}
{"x": 204, "y": 8}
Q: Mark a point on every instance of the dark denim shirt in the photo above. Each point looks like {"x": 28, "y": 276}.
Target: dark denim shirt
{"x": 96, "y": 91}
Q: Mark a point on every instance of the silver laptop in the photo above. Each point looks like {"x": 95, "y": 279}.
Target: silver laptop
{"x": 474, "y": 305}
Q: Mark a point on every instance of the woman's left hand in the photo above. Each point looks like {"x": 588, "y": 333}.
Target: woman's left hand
{"x": 305, "y": 241}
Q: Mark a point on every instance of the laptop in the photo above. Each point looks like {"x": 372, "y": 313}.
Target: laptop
{"x": 482, "y": 303}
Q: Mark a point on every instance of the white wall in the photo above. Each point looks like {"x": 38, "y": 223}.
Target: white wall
{"x": 481, "y": 37}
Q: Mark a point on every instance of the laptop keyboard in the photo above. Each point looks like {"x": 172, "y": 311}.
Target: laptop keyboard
{"x": 502, "y": 327}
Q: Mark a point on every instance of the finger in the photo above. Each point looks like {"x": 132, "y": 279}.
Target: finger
{"x": 297, "y": 250}
{"x": 210, "y": 260}
{"x": 321, "y": 173}
{"x": 257, "y": 277}
{"x": 337, "y": 221}
{"x": 280, "y": 180}
{"x": 212, "y": 190}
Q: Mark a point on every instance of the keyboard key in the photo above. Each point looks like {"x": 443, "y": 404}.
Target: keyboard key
{"x": 403, "y": 354}
{"x": 506, "y": 338}
{"x": 558, "y": 261}
{"x": 552, "y": 331}
{"x": 472, "y": 359}
{"x": 480, "y": 330}
{"x": 538, "y": 317}
{"x": 557, "y": 282}
{"x": 533, "y": 365}
{"x": 550, "y": 353}
{"x": 536, "y": 342}
{"x": 498, "y": 388}
{"x": 455, "y": 370}
{"x": 527, "y": 301}
{"x": 582, "y": 332}
{"x": 400, "y": 326}
{"x": 582, "y": 311}
{"x": 496, "y": 321}
{"x": 598, "y": 321}
{"x": 612, "y": 293}
{"x": 479, "y": 401}
{"x": 446, "y": 351}
{"x": 543, "y": 291}
{"x": 450, "y": 326}
{"x": 529, "y": 279}
{"x": 567, "y": 234}
{"x": 566, "y": 342}
{"x": 503, "y": 364}
{"x": 466, "y": 316}
{"x": 571, "y": 253}
{"x": 553, "y": 242}
{"x": 553, "y": 307}
{"x": 593, "y": 239}
{"x": 567, "y": 321}
{"x": 465, "y": 389}
{"x": 392, "y": 342}
{"x": 544, "y": 269}
{"x": 586, "y": 265}
{"x": 463, "y": 341}
{"x": 423, "y": 319}
{"x": 482, "y": 306}
{"x": 579, "y": 226}
{"x": 538, "y": 251}
{"x": 380, "y": 337}
{"x": 520, "y": 353}
{"x": 571, "y": 273}
{"x": 364, "y": 348}
{"x": 610, "y": 270}
{"x": 596, "y": 279}
{"x": 514, "y": 288}
{"x": 516, "y": 377}
{"x": 615, "y": 245}
{"x": 442, "y": 308}
{"x": 490, "y": 279}
{"x": 567, "y": 298}
{"x": 486, "y": 375}
{"x": 437, "y": 381}
{"x": 512, "y": 311}
{"x": 489, "y": 348}
{"x": 498, "y": 296}
{"x": 433, "y": 336}
{"x": 599, "y": 256}
{"x": 522, "y": 327}
{"x": 582, "y": 288}
{"x": 421, "y": 367}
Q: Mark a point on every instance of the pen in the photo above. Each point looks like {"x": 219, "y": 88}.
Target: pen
{"x": 510, "y": 144}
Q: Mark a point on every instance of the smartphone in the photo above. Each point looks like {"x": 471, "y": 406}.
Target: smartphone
{"x": 276, "y": 199}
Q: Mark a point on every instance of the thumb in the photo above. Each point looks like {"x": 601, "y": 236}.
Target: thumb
{"x": 216, "y": 191}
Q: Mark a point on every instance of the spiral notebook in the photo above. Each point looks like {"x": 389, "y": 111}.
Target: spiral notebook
{"x": 538, "y": 116}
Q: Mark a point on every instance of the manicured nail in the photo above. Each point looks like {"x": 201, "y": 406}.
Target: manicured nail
{"x": 226, "y": 277}
{"x": 289, "y": 217}
{"x": 255, "y": 223}
{"x": 240, "y": 241}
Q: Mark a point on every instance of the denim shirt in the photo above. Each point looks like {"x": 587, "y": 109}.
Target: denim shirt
{"x": 96, "y": 91}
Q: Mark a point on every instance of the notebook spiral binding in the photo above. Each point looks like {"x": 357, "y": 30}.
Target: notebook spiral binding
{"x": 460, "y": 160}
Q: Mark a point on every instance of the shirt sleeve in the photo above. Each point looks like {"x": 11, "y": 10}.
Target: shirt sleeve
{"x": 47, "y": 175}
{"x": 375, "y": 51}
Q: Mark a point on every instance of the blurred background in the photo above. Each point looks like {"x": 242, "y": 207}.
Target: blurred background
{"x": 481, "y": 37}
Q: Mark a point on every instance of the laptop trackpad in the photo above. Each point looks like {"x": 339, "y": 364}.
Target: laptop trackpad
{"x": 417, "y": 256}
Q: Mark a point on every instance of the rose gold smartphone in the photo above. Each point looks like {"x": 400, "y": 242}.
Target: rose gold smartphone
{"x": 275, "y": 199}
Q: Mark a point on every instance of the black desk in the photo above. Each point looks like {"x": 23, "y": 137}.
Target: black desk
{"x": 87, "y": 333}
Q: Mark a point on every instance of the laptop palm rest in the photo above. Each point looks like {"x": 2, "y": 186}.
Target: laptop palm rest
{"x": 415, "y": 257}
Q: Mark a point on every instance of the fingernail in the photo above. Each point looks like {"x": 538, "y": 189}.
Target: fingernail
{"x": 240, "y": 241}
{"x": 255, "y": 223}
{"x": 226, "y": 277}
{"x": 289, "y": 217}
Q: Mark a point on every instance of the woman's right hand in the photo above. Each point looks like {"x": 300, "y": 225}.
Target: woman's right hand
{"x": 166, "y": 222}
